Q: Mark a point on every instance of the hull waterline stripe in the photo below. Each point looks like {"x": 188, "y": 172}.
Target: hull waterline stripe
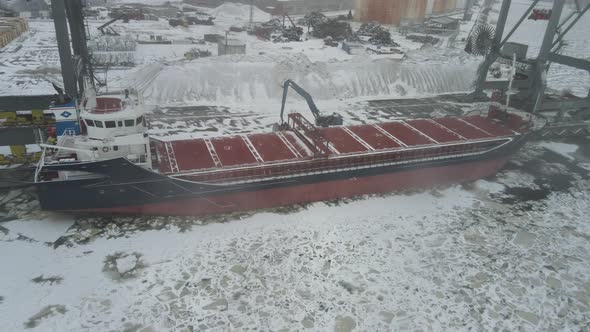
{"x": 143, "y": 191}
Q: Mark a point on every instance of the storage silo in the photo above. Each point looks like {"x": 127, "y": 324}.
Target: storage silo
{"x": 450, "y": 5}
{"x": 383, "y": 11}
{"x": 429, "y": 7}
{"x": 439, "y": 6}
{"x": 415, "y": 10}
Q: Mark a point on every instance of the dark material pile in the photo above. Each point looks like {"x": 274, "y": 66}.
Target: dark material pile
{"x": 212, "y": 38}
{"x": 378, "y": 34}
{"x": 313, "y": 20}
{"x": 197, "y": 53}
{"x": 335, "y": 29}
{"x": 322, "y": 27}
{"x": 291, "y": 34}
{"x": 423, "y": 39}
{"x": 192, "y": 20}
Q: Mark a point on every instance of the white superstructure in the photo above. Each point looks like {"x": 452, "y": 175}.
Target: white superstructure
{"x": 112, "y": 126}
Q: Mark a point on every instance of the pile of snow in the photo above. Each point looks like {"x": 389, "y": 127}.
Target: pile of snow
{"x": 564, "y": 149}
{"x": 239, "y": 12}
{"x": 490, "y": 187}
{"x": 112, "y": 44}
{"x": 239, "y": 79}
{"x": 126, "y": 264}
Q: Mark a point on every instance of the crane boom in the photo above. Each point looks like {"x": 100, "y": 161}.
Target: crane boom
{"x": 323, "y": 121}
{"x": 290, "y": 19}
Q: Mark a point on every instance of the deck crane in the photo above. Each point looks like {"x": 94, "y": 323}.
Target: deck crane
{"x": 320, "y": 120}
{"x": 298, "y": 30}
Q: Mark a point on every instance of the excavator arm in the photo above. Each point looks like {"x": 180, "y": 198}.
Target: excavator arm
{"x": 113, "y": 20}
{"x": 322, "y": 121}
{"x": 289, "y": 83}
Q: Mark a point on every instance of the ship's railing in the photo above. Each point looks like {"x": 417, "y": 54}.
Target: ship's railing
{"x": 68, "y": 135}
{"x": 331, "y": 165}
{"x": 124, "y": 93}
{"x": 319, "y": 143}
{"x": 126, "y": 98}
{"x": 69, "y": 132}
{"x": 40, "y": 165}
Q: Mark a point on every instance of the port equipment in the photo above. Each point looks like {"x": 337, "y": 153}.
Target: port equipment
{"x": 532, "y": 88}
{"x": 320, "y": 120}
{"x": 105, "y": 29}
{"x": 74, "y": 67}
{"x": 540, "y": 14}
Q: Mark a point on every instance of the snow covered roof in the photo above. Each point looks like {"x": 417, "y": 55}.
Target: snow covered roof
{"x": 232, "y": 42}
{"x": 444, "y": 20}
{"x": 25, "y": 103}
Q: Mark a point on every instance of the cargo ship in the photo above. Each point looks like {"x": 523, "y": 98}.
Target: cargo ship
{"x": 107, "y": 163}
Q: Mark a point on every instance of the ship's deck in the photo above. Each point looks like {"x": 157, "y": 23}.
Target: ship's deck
{"x": 256, "y": 149}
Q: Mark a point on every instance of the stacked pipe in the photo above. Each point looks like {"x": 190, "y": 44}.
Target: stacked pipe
{"x": 11, "y": 28}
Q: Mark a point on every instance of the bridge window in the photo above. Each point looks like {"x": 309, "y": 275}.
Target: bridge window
{"x": 98, "y": 124}
{"x": 129, "y": 123}
{"x": 89, "y": 122}
{"x": 110, "y": 124}
{"x": 139, "y": 121}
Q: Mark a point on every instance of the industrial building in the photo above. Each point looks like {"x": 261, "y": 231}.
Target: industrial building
{"x": 230, "y": 46}
{"x": 29, "y": 8}
{"x": 11, "y": 28}
{"x": 398, "y": 11}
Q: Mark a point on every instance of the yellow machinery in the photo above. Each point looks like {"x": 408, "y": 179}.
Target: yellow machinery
{"x": 19, "y": 154}
{"x": 26, "y": 118}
